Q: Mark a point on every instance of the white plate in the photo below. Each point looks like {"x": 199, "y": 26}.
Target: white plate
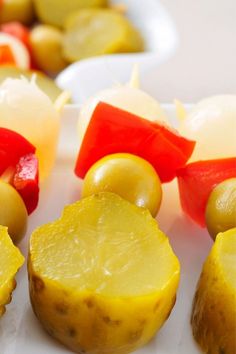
{"x": 21, "y": 333}
{"x": 86, "y": 77}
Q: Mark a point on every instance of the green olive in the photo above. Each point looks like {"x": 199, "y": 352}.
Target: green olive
{"x": 221, "y": 208}
{"x": 54, "y": 12}
{"x": 46, "y": 45}
{"x": 129, "y": 176}
{"x": 17, "y": 10}
{"x": 13, "y": 213}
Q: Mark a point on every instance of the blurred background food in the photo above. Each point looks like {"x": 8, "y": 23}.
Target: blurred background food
{"x": 48, "y": 35}
{"x": 17, "y": 10}
{"x": 92, "y": 32}
{"x": 43, "y": 81}
{"x": 55, "y": 12}
{"x": 46, "y": 45}
{"x": 13, "y": 51}
{"x": 196, "y": 69}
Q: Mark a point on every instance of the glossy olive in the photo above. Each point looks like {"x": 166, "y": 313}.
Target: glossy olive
{"x": 13, "y": 213}
{"x": 46, "y": 45}
{"x": 129, "y": 176}
{"x": 16, "y": 10}
{"x": 221, "y": 208}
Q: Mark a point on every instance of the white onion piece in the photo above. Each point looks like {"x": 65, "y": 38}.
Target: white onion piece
{"x": 127, "y": 98}
{"x": 212, "y": 123}
{"x": 26, "y": 109}
{"x": 19, "y": 51}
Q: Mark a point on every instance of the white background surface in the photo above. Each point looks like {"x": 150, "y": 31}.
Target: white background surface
{"x": 205, "y": 62}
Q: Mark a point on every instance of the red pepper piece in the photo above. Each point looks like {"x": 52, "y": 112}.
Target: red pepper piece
{"x": 6, "y": 55}
{"x": 112, "y": 130}
{"x": 26, "y": 180}
{"x": 196, "y": 181}
{"x": 20, "y": 165}
{"x": 12, "y": 147}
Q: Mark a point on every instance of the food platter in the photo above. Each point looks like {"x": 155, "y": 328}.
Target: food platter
{"x": 21, "y": 333}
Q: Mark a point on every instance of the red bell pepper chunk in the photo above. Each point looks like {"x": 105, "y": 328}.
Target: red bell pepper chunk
{"x": 196, "y": 181}
{"x": 112, "y": 130}
{"x": 6, "y": 55}
{"x": 17, "y": 156}
{"x": 26, "y": 181}
{"x": 12, "y": 147}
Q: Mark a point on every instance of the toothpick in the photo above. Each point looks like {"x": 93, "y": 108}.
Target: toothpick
{"x": 180, "y": 111}
{"x": 134, "y": 80}
{"x": 61, "y": 100}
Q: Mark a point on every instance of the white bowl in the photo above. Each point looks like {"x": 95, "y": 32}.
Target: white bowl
{"x": 86, "y": 77}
